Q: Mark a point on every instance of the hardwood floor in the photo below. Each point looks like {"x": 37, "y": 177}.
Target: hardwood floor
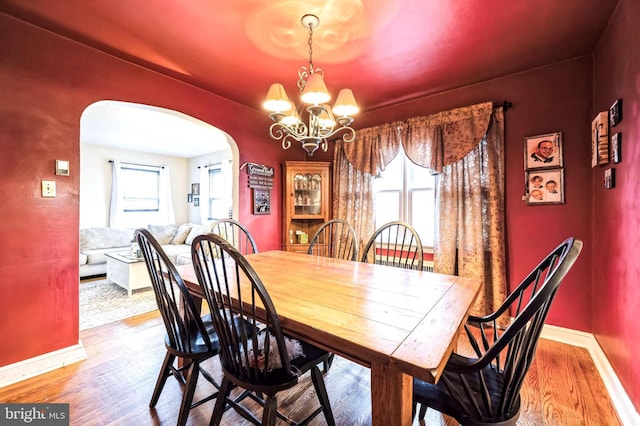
{"x": 114, "y": 384}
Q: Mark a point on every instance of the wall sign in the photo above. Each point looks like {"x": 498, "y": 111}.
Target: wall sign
{"x": 260, "y": 180}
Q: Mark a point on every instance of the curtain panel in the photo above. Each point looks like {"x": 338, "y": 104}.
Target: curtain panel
{"x": 470, "y": 222}
{"x": 464, "y": 146}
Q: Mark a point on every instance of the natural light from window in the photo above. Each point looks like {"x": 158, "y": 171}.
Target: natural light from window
{"x": 406, "y": 192}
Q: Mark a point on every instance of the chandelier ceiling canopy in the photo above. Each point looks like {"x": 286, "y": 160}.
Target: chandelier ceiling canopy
{"x": 314, "y": 121}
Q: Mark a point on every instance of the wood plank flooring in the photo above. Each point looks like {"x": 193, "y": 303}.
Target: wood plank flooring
{"x": 114, "y": 385}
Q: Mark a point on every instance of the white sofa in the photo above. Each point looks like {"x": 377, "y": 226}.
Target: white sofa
{"x": 96, "y": 242}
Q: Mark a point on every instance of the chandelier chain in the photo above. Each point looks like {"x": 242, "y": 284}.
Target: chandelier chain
{"x": 310, "y": 48}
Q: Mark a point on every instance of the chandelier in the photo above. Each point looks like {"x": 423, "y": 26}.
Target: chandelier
{"x": 321, "y": 121}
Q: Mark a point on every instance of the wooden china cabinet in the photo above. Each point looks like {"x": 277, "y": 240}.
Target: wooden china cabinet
{"x": 306, "y": 201}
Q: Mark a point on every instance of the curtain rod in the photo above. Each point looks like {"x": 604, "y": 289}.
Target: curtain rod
{"x": 505, "y": 105}
{"x": 137, "y": 164}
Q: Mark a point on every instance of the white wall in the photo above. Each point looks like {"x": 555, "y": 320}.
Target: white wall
{"x": 95, "y": 181}
{"x": 194, "y": 176}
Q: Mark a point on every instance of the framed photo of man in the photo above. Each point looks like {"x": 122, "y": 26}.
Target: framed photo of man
{"x": 545, "y": 186}
{"x": 543, "y": 151}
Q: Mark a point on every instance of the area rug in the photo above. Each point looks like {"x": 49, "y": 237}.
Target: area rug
{"x": 102, "y": 302}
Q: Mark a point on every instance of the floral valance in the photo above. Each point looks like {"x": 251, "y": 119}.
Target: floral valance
{"x": 431, "y": 141}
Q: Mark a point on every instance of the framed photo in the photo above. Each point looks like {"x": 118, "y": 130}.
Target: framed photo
{"x": 543, "y": 151}
{"x": 195, "y": 189}
{"x": 545, "y": 186}
{"x": 189, "y": 198}
{"x": 616, "y": 149}
{"x": 615, "y": 113}
{"x": 600, "y": 139}
{"x": 610, "y": 178}
{"x": 196, "y": 202}
{"x": 261, "y": 201}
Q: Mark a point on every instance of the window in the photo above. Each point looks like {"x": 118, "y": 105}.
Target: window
{"x": 219, "y": 205}
{"x": 141, "y": 188}
{"x": 406, "y": 192}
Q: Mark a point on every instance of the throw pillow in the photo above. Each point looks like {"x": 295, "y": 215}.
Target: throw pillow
{"x": 182, "y": 233}
{"x": 163, "y": 233}
{"x": 195, "y": 231}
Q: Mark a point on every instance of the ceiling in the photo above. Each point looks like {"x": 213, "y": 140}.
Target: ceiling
{"x": 145, "y": 128}
{"x": 387, "y": 51}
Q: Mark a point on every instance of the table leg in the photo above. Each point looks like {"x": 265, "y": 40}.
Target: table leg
{"x": 391, "y": 396}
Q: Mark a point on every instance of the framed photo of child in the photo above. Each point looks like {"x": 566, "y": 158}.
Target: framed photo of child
{"x": 543, "y": 151}
{"x": 545, "y": 187}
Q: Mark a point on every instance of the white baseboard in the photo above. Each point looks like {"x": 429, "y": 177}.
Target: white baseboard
{"x": 22, "y": 370}
{"x": 621, "y": 401}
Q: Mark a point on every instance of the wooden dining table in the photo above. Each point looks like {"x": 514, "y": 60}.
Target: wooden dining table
{"x": 400, "y": 323}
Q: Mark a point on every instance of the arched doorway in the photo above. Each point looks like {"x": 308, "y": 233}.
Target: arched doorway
{"x": 146, "y": 135}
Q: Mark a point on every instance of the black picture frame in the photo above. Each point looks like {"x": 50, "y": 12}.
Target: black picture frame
{"x": 610, "y": 178}
{"x": 196, "y": 202}
{"x": 261, "y": 201}
{"x": 545, "y": 186}
{"x": 195, "y": 189}
{"x": 189, "y": 198}
{"x": 615, "y": 113}
{"x": 616, "y": 147}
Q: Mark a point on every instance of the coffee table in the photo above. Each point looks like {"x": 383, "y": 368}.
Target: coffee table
{"x": 129, "y": 272}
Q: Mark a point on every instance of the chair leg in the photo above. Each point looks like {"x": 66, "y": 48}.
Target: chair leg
{"x": 165, "y": 372}
{"x": 423, "y": 411}
{"x": 221, "y": 402}
{"x": 323, "y": 397}
{"x": 190, "y": 388}
{"x": 327, "y": 364}
{"x": 270, "y": 411}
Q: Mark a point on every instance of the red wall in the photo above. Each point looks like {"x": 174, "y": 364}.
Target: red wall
{"x": 47, "y": 81}
{"x": 548, "y": 99}
{"x": 615, "y": 268}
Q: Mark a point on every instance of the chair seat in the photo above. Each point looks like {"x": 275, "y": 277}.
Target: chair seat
{"x": 440, "y": 398}
{"x": 278, "y": 379}
{"x": 197, "y": 347}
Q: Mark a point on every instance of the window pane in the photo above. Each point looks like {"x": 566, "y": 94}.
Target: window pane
{"x": 387, "y": 207}
{"x": 420, "y": 177}
{"x": 391, "y": 176}
{"x": 406, "y": 192}
{"x": 219, "y": 204}
{"x": 141, "y": 188}
{"x": 423, "y": 214}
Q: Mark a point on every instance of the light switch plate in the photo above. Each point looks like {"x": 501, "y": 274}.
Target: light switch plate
{"x": 48, "y": 188}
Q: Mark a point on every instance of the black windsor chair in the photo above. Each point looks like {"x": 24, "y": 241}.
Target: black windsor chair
{"x": 395, "y": 244}
{"x": 265, "y": 362}
{"x": 335, "y": 238}
{"x": 187, "y": 335}
{"x": 236, "y": 233}
{"x": 485, "y": 389}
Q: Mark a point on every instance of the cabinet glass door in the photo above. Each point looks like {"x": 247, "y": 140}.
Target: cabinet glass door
{"x": 307, "y": 190}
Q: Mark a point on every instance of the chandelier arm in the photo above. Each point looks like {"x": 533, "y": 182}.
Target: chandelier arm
{"x": 286, "y": 142}
{"x": 277, "y": 131}
{"x": 350, "y": 135}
